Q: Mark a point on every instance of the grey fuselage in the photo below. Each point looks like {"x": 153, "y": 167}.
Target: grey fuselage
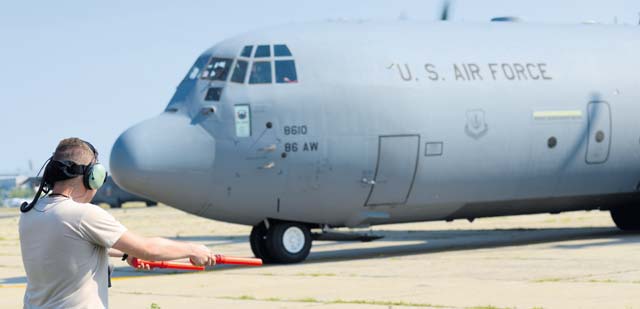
{"x": 401, "y": 122}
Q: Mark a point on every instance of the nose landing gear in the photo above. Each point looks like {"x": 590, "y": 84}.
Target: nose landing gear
{"x": 281, "y": 242}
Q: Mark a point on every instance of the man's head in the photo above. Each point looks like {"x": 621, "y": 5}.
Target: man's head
{"x": 75, "y": 150}
{"x": 73, "y": 160}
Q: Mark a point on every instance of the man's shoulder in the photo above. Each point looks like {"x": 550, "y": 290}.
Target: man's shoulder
{"x": 92, "y": 209}
{"x": 71, "y": 208}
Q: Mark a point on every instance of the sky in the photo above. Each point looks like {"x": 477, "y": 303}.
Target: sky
{"x": 91, "y": 69}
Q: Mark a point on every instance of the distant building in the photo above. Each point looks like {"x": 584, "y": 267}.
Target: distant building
{"x": 10, "y": 181}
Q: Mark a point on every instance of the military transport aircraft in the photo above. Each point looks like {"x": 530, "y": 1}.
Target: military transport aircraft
{"x": 322, "y": 125}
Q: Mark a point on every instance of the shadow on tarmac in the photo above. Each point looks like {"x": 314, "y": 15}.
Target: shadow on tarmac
{"x": 426, "y": 242}
{"x": 459, "y": 240}
{"x": 422, "y": 242}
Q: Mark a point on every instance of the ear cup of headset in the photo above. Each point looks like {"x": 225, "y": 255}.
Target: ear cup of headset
{"x": 94, "y": 176}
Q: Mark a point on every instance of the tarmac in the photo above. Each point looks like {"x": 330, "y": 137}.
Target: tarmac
{"x": 570, "y": 260}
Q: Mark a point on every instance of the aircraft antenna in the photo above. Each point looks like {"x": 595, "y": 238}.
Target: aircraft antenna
{"x": 446, "y": 5}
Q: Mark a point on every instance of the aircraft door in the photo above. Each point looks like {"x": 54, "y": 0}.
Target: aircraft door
{"x": 599, "y": 139}
{"x": 395, "y": 171}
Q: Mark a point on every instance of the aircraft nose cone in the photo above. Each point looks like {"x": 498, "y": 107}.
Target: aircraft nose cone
{"x": 165, "y": 158}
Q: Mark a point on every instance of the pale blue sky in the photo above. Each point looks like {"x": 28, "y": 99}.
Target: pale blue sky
{"x": 92, "y": 69}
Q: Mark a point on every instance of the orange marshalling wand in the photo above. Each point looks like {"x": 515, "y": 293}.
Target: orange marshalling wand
{"x": 220, "y": 259}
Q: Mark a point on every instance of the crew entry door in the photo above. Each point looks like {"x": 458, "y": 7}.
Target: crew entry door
{"x": 395, "y": 170}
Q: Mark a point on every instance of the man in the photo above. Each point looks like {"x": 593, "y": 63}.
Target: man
{"x": 65, "y": 241}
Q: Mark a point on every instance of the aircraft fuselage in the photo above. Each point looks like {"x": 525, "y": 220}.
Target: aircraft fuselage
{"x": 398, "y": 122}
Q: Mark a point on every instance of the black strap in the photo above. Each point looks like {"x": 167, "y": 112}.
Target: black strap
{"x": 109, "y": 271}
{"x": 76, "y": 169}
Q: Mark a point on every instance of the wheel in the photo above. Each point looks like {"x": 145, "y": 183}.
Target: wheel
{"x": 258, "y": 241}
{"x": 116, "y": 204}
{"x": 151, "y": 204}
{"x": 288, "y": 242}
{"x": 626, "y": 218}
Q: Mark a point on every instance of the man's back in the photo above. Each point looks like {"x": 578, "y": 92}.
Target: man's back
{"x": 64, "y": 250}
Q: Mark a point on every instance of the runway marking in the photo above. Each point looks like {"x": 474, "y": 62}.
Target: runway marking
{"x": 23, "y": 286}
{"x": 13, "y": 286}
{"x": 129, "y": 277}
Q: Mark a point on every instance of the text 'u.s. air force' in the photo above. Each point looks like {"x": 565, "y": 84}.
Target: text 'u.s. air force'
{"x": 467, "y": 72}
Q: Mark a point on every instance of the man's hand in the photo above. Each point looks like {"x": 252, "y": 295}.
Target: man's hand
{"x": 162, "y": 249}
{"x": 201, "y": 256}
{"x": 141, "y": 266}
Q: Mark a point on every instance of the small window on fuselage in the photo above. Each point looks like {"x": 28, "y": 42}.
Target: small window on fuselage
{"x": 239, "y": 71}
{"x": 286, "y": 71}
{"x": 213, "y": 94}
{"x": 260, "y": 73}
{"x": 263, "y": 51}
{"x": 217, "y": 69}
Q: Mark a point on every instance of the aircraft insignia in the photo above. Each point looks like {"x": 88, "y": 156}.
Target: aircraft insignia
{"x": 476, "y": 126}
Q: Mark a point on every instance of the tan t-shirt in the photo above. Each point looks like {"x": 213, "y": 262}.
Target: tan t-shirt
{"x": 64, "y": 250}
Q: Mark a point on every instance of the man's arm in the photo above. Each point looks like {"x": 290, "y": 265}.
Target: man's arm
{"x": 115, "y": 253}
{"x": 162, "y": 249}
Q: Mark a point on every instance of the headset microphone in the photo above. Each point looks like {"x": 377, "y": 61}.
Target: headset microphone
{"x": 42, "y": 188}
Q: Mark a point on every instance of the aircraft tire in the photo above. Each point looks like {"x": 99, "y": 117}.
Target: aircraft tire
{"x": 116, "y": 205}
{"x": 288, "y": 242}
{"x": 258, "y": 241}
{"x": 626, "y": 218}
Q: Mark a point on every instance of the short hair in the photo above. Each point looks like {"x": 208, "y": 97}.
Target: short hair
{"x": 75, "y": 150}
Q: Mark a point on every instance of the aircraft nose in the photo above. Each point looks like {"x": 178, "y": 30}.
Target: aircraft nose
{"x": 165, "y": 158}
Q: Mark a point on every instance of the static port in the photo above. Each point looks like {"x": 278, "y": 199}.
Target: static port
{"x": 552, "y": 142}
{"x": 269, "y": 125}
{"x": 283, "y": 155}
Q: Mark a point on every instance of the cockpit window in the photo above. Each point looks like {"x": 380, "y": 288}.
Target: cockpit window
{"x": 260, "y": 73}
{"x": 197, "y": 67}
{"x": 286, "y": 71}
{"x": 239, "y": 71}
{"x": 260, "y": 61}
{"x": 217, "y": 69}
{"x": 246, "y": 51}
{"x": 194, "y": 73}
{"x": 263, "y": 51}
{"x": 281, "y": 50}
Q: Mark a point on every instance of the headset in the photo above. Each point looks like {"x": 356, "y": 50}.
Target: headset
{"x": 93, "y": 175}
